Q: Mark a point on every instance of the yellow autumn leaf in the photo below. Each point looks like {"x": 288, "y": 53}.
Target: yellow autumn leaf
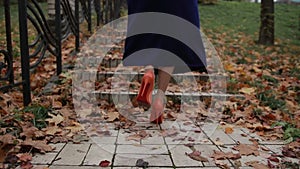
{"x": 112, "y": 116}
{"x": 229, "y": 67}
{"x": 228, "y": 130}
{"x": 56, "y": 119}
{"x": 76, "y": 127}
{"x": 247, "y": 90}
{"x": 52, "y": 130}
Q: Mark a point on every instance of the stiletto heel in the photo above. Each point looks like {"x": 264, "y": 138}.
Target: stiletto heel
{"x": 159, "y": 120}
{"x": 145, "y": 93}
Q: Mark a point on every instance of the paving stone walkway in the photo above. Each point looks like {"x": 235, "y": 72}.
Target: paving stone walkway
{"x": 159, "y": 149}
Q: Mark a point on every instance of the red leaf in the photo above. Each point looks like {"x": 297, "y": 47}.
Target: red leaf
{"x": 274, "y": 159}
{"x": 104, "y": 163}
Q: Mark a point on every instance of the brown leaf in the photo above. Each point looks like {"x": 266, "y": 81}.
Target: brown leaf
{"x": 7, "y": 139}
{"x": 219, "y": 155}
{"x": 138, "y": 136}
{"x": 274, "y": 159}
{"x": 7, "y": 143}
{"x": 76, "y": 127}
{"x": 26, "y": 165}
{"x": 56, "y": 105}
{"x": 196, "y": 155}
{"x": 29, "y": 132}
{"x": 256, "y": 165}
{"x": 4, "y": 149}
{"x": 24, "y": 157}
{"x": 228, "y": 130}
{"x": 52, "y": 130}
{"x": 247, "y": 149}
{"x": 292, "y": 149}
{"x": 169, "y": 133}
{"x": 222, "y": 164}
{"x": 269, "y": 116}
{"x": 59, "y": 139}
{"x": 37, "y": 144}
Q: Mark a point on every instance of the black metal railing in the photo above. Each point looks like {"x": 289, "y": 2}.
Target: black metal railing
{"x": 47, "y": 39}
{"x": 6, "y": 64}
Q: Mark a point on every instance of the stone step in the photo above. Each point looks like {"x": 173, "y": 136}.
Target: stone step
{"x": 176, "y": 78}
{"x": 176, "y": 97}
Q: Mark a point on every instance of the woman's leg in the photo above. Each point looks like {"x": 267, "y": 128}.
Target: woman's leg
{"x": 158, "y": 104}
{"x": 164, "y": 76}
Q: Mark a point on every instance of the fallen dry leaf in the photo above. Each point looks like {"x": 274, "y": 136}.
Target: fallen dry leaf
{"x": 56, "y": 105}
{"x": 274, "y": 159}
{"x": 104, "y": 163}
{"x": 24, "y": 157}
{"x": 247, "y": 149}
{"x": 219, "y": 155}
{"x": 169, "y": 133}
{"x": 292, "y": 149}
{"x": 28, "y": 132}
{"x": 247, "y": 90}
{"x": 52, "y": 130}
{"x": 26, "y": 165}
{"x": 41, "y": 146}
{"x": 228, "y": 130}
{"x": 7, "y": 143}
{"x": 55, "y": 120}
{"x": 112, "y": 116}
{"x": 222, "y": 164}
{"x": 138, "y": 136}
{"x": 196, "y": 155}
{"x": 256, "y": 165}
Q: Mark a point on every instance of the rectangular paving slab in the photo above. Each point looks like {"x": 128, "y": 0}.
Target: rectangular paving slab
{"x": 178, "y": 154}
{"x": 142, "y": 149}
{"x": 43, "y": 158}
{"x": 153, "y": 160}
{"x": 98, "y": 153}
{"x": 72, "y": 154}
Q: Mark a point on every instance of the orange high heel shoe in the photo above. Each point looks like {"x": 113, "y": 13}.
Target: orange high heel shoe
{"x": 157, "y": 109}
{"x": 145, "y": 93}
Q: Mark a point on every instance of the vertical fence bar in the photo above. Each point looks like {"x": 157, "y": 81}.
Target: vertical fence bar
{"x": 89, "y": 16}
{"x": 106, "y": 11}
{"x": 22, "y": 5}
{"x": 77, "y": 25}
{"x": 8, "y": 38}
{"x": 97, "y": 6}
{"x": 58, "y": 36}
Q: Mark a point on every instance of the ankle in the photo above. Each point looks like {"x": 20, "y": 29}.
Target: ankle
{"x": 149, "y": 68}
{"x": 160, "y": 96}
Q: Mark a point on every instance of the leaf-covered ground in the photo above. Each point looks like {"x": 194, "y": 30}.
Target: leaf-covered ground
{"x": 269, "y": 76}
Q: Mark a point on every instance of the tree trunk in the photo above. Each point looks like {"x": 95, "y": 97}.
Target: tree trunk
{"x": 266, "y": 33}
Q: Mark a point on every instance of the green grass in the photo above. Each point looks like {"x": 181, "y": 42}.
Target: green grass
{"x": 235, "y": 17}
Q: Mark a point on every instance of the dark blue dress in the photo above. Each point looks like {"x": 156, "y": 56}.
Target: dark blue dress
{"x": 164, "y": 33}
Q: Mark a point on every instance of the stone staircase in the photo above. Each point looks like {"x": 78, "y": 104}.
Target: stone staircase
{"x": 100, "y": 68}
{"x": 181, "y": 85}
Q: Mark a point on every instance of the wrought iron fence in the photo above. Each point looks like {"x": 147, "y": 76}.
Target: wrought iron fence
{"x": 47, "y": 39}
